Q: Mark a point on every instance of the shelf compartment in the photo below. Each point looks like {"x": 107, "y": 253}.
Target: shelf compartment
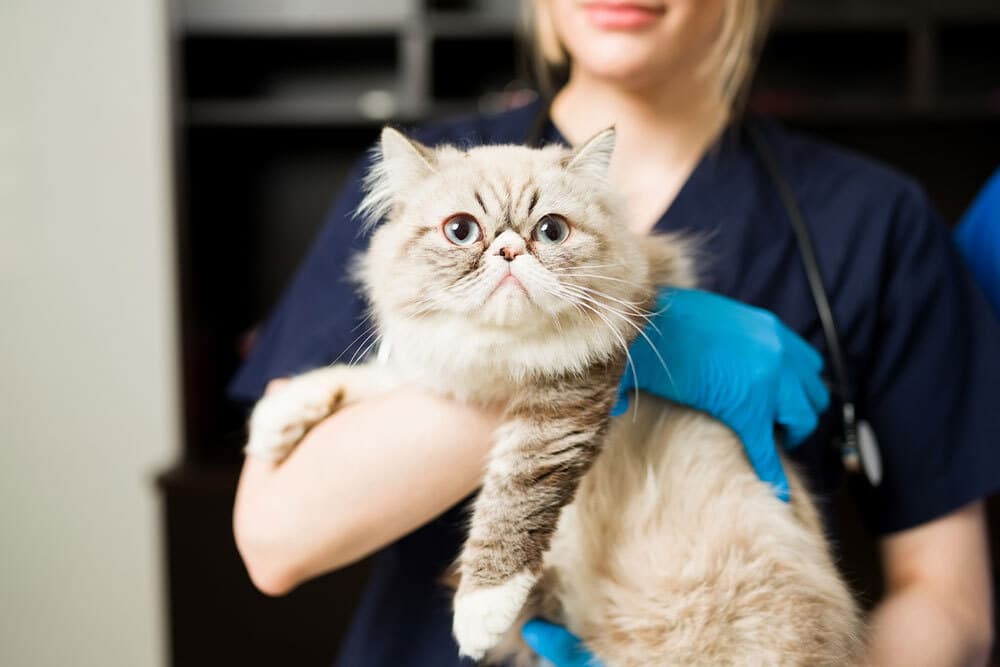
{"x": 242, "y": 81}
{"x": 293, "y": 16}
{"x": 969, "y": 61}
{"x": 866, "y": 65}
{"x": 466, "y": 68}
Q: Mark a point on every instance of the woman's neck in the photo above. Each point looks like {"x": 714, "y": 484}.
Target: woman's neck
{"x": 662, "y": 133}
{"x": 685, "y": 114}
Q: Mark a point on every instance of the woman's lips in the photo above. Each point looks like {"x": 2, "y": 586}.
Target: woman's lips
{"x": 621, "y": 16}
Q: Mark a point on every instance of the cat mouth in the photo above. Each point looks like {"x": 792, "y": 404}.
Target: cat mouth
{"x": 509, "y": 282}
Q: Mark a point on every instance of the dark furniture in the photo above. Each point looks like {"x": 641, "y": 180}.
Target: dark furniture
{"x": 272, "y": 106}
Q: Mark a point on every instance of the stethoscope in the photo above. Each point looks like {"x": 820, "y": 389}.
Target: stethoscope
{"x": 858, "y": 446}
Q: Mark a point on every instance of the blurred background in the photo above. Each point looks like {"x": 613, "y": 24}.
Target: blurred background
{"x": 164, "y": 166}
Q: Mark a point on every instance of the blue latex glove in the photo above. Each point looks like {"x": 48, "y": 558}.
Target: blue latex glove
{"x": 978, "y": 239}
{"x": 557, "y": 644}
{"x": 736, "y": 362}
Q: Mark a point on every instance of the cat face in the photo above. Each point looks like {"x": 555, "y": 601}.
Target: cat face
{"x": 505, "y": 236}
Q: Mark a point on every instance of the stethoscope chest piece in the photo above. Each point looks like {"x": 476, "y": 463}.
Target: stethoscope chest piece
{"x": 871, "y": 458}
{"x": 859, "y": 450}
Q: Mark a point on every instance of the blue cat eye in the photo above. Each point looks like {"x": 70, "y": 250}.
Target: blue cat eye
{"x": 551, "y": 229}
{"x": 462, "y": 229}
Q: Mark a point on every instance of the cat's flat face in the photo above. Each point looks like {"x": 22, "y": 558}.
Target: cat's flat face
{"x": 503, "y": 235}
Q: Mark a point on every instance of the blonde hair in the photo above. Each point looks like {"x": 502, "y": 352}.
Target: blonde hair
{"x": 731, "y": 60}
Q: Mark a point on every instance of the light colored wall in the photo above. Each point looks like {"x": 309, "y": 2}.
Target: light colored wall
{"x": 88, "y": 379}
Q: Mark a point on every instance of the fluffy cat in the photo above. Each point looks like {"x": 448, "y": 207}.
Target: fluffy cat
{"x": 505, "y": 275}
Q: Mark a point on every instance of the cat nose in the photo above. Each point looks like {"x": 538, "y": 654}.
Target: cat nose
{"x": 510, "y": 252}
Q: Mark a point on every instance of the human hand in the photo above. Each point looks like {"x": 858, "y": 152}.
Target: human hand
{"x": 557, "y": 644}
{"x": 736, "y": 362}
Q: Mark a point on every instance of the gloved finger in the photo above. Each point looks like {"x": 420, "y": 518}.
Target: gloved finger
{"x": 758, "y": 441}
{"x": 802, "y": 353}
{"x": 621, "y": 405}
{"x": 795, "y": 411}
{"x": 816, "y": 391}
{"x": 556, "y": 644}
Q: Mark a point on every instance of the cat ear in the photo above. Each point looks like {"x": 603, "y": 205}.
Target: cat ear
{"x": 404, "y": 160}
{"x": 398, "y": 162}
{"x": 594, "y": 157}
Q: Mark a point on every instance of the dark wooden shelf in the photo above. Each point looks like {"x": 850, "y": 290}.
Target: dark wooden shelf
{"x": 217, "y": 617}
{"x": 316, "y": 113}
{"x": 251, "y": 30}
{"x": 487, "y": 21}
{"x": 849, "y": 109}
{"x": 286, "y": 113}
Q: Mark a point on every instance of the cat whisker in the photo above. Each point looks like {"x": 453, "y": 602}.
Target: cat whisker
{"x": 364, "y": 334}
{"x": 364, "y": 355}
{"x": 594, "y": 290}
{"x": 365, "y": 347}
{"x": 629, "y": 363}
{"x": 624, "y": 317}
{"x": 571, "y": 292}
{"x": 365, "y": 319}
{"x": 586, "y": 267}
{"x": 630, "y": 308}
{"x": 599, "y": 276}
{"x": 634, "y": 306}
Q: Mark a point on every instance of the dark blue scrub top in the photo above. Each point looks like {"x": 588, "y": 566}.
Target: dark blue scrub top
{"x": 921, "y": 342}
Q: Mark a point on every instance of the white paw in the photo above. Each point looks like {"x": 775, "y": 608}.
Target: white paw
{"x": 484, "y": 615}
{"x": 280, "y": 419}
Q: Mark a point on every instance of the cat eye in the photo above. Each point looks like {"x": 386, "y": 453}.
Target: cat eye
{"x": 551, "y": 229}
{"x": 462, "y": 229}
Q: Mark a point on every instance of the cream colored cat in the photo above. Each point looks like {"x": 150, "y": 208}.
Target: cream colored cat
{"x": 505, "y": 275}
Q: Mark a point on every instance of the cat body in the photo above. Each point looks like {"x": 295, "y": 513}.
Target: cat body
{"x": 674, "y": 553}
{"x": 504, "y": 276}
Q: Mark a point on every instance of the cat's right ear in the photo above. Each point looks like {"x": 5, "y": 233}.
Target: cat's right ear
{"x": 404, "y": 161}
{"x": 398, "y": 162}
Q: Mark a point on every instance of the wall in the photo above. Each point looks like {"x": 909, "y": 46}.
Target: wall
{"x": 88, "y": 379}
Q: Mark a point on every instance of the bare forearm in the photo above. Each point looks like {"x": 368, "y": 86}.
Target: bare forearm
{"x": 369, "y": 474}
{"x": 913, "y": 628}
{"x": 939, "y": 609}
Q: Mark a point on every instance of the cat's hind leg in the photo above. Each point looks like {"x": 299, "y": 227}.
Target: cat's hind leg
{"x": 281, "y": 418}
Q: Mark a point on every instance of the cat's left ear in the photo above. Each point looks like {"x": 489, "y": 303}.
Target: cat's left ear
{"x": 594, "y": 157}
{"x": 404, "y": 161}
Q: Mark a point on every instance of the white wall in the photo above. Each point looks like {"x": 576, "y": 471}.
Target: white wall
{"x": 88, "y": 380}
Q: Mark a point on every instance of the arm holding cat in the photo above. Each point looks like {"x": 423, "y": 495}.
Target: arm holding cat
{"x": 300, "y": 519}
{"x": 356, "y": 482}
{"x": 938, "y": 607}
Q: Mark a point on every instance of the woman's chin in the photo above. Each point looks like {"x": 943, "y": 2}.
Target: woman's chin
{"x": 624, "y": 65}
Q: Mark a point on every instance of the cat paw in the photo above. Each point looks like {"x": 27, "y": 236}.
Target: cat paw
{"x": 281, "y": 419}
{"x": 484, "y": 615}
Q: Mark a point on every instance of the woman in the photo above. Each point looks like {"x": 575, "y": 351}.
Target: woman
{"x": 919, "y": 341}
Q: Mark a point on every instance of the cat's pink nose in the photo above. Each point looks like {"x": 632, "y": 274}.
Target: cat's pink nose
{"x": 510, "y": 252}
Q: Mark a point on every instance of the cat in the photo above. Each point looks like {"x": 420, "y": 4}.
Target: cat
{"x": 504, "y": 275}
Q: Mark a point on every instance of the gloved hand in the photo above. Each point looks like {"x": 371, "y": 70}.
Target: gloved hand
{"x": 557, "y": 644}
{"x": 736, "y": 362}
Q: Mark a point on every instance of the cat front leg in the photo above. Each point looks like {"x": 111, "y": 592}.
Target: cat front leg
{"x": 281, "y": 418}
{"x": 539, "y": 457}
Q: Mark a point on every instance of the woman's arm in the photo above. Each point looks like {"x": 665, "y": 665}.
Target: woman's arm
{"x": 938, "y": 609}
{"x": 367, "y": 475}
